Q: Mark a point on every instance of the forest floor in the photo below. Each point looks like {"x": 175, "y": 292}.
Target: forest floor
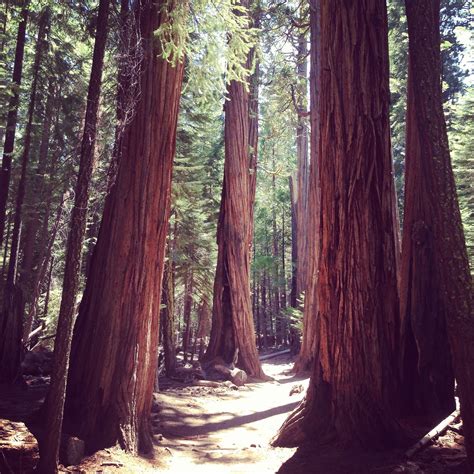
{"x": 224, "y": 429}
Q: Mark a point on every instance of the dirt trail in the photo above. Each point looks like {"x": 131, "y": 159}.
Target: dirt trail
{"x": 205, "y": 430}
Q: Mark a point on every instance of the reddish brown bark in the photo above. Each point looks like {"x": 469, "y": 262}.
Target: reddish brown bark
{"x": 353, "y": 388}
{"x": 311, "y": 238}
{"x": 232, "y": 320}
{"x": 8, "y": 147}
{"x": 302, "y": 147}
{"x": 428, "y": 378}
{"x": 54, "y": 405}
{"x": 114, "y": 348}
{"x": 449, "y": 249}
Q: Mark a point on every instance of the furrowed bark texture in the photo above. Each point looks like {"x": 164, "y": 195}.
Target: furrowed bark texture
{"x": 8, "y": 146}
{"x": 448, "y": 238}
{"x": 352, "y": 392}
{"x": 428, "y": 379}
{"x": 311, "y": 236}
{"x": 115, "y": 342}
{"x": 232, "y": 319}
{"x": 54, "y": 405}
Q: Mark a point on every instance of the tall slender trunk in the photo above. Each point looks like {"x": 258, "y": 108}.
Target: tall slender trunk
{"x": 9, "y": 144}
{"x": 284, "y": 324}
{"x": 40, "y": 204}
{"x": 44, "y": 258}
{"x": 188, "y": 305}
{"x": 302, "y": 175}
{"x": 306, "y": 355}
{"x": 294, "y": 247}
{"x": 54, "y": 405}
{"x": 167, "y": 317}
{"x": 264, "y": 311}
{"x": 232, "y": 320}
{"x": 11, "y": 323}
{"x": 446, "y": 236}
{"x": 7, "y": 240}
{"x": 353, "y": 391}
{"x": 3, "y": 83}
{"x": 276, "y": 263}
{"x": 115, "y": 343}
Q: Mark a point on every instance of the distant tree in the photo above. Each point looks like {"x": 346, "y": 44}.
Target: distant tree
{"x": 232, "y": 319}
{"x": 54, "y": 405}
{"x": 311, "y": 235}
{"x": 11, "y": 328}
{"x": 8, "y": 146}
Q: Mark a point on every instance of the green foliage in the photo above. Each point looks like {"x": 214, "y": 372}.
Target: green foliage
{"x": 462, "y": 154}
{"x": 216, "y": 34}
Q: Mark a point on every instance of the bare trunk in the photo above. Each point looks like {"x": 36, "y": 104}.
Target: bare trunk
{"x": 114, "y": 348}
{"x": 40, "y": 205}
{"x": 12, "y": 311}
{"x": 41, "y": 273}
{"x": 302, "y": 180}
{"x": 304, "y": 361}
{"x": 232, "y": 320}
{"x": 446, "y": 236}
{"x": 54, "y": 404}
{"x": 353, "y": 389}
{"x": 167, "y": 318}
{"x": 188, "y": 305}
{"x": 294, "y": 247}
{"x": 9, "y": 143}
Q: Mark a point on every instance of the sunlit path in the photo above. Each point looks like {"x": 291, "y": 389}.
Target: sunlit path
{"x": 209, "y": 432}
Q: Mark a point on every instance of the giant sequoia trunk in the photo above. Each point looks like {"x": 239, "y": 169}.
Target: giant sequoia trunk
{"x": 115, "y": 342}
{"x": 232, "y": 320}
{"x": 352, "y": 391}
{"x": 311, "y": 237}
{"x": 428, "y": 379}
{"x": 446, "y": 234}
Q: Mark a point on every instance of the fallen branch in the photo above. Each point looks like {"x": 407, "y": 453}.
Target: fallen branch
{"x": 207, "y": 383}
{"x": 274, "y": 354}
{"x": 434, "y": 433}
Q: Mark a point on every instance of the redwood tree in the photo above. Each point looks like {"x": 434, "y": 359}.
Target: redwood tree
{"x": 310, "y": 219}
{"x": 352, "y": 390}
{"x": 232, "y": 319}
{"x": 49, "y": 443}
{"x": 115, "y": 341}
{"x": 428, "y": 379}
{"x": 440, "y": 230}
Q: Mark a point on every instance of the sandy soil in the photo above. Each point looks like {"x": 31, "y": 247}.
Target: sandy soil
{"x": 222, "y": 430}
{"x": 212, "y": 430}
